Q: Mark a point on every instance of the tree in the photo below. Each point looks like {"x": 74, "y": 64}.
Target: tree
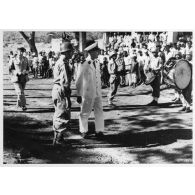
{"x": 31, "y": 41}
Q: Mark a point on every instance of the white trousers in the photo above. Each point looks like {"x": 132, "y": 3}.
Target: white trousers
{"x": 19, "y": 88}
{"x": 86, "y": 109}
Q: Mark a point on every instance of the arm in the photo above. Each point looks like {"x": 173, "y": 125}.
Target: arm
{"x": 79, "y": 77}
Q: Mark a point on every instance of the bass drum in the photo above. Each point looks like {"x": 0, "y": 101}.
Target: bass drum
{"x": 178, "y": 76}
{"x": 183, "y": 74}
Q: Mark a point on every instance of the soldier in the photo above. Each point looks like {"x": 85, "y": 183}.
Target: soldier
{"x": 18, "y": 69}
{"x": 155, "y": 66}
{"x": 61, "y": 94}
{"x": 88, "y": 84}
{"x": 114, "y": 77}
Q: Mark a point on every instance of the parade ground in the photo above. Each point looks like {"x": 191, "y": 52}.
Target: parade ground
{"x": 134, "y": 133}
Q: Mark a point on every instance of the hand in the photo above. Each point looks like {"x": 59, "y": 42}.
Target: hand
{"x": 79, "y": 99}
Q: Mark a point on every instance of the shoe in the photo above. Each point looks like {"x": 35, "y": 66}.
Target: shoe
{"x": 110, "y": 103}
{"x": 177, "y": 101}
{"x": 85, "y": 135}
{"x": 153, "y": 103}
{"x": 59, "y": 139}
{"x": 183, "y": 109}
{"x": 24, "y": 108}
{"x": 174, "y": 99}
{"x": 187, "y": 110}
{"x": 99, "y": 135}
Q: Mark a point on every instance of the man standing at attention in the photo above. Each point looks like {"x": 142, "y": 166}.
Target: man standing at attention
{"x": 88, "y": 84}
{"x": 61, "y": 94}
{"x": 19, "y": 68}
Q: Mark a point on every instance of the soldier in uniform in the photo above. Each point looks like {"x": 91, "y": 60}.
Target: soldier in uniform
{"x": 19, "y": 69}
{"x": 155, "y": 66}
{"x": 88, "y": 84}
{"x": 61, "y": 94}
{"x": 114, "y": 77}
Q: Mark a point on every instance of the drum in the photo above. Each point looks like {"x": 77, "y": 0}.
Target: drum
{"x": 178, "y": 76}
{"x": 150, "y": 76}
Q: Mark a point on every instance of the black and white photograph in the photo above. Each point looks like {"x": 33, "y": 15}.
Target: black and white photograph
{"x": 97, "y": 97}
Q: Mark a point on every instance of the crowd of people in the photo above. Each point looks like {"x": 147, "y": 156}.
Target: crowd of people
{"x": 127, "y": 59}
{"x": 40, "y": 65}
{"x": 135, "y": 50}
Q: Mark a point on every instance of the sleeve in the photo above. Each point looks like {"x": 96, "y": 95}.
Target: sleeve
{"x": 11, "y": 65}
{"x": 79, "y": 78}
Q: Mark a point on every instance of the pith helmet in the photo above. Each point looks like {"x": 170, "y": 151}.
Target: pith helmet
{"x": 65, "y": 46}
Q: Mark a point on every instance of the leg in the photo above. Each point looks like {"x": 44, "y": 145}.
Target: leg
{"x": 61, "y": 118}
{"x": 98, "y": 113}
{"x": 113, "y": 88}
{"x": 156, "y": 88}
{"x": 86, "y": 109}
{"x": 21, "y": 101}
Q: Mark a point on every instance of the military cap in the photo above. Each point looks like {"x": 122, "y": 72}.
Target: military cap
{"x": 65, "y": 46}
{"x": 93, "y": 46}
{"x": 22, "y": 49}
{"x": 112, "y": 53}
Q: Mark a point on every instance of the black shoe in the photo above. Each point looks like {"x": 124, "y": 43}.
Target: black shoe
{"x": 24, "y": 108}
{"x": 177, "y": 101}
{"x": 153, "y": 103}
{"x": 183, "y": 109}
{"x": 99, "y": 135}
{"x": 187, "y": 110}
{"x": 59, "y": 140}
{"x": 85, "y": 135}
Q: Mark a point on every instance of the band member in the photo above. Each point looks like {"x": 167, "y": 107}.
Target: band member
{"x": 88, "y": 84}
{"x": 155, "y": 66}
{"x": 61, "y": 94}
{"x": 186, "y": 94}
{"x": 114, "y": 77}
{"x": 18, "y": 69}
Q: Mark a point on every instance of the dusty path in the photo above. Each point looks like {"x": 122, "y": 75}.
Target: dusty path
{"x": 135, "y": 133}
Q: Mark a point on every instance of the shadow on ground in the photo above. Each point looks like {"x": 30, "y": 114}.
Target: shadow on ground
{"x": 33, "y": 138}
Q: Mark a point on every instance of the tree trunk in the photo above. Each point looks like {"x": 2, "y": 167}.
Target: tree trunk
{"x": 31, "y": 41}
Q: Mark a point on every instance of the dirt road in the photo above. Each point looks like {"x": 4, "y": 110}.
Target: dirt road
{"x": 135, "y": 133}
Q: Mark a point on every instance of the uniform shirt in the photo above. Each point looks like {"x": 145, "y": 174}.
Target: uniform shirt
{"x": 112, "y": 67}
{"x": 19, "y": 65}
{"x": 88, "y": 81}
{"x": 62, "y": 73}
{"x": 155, "y": 63}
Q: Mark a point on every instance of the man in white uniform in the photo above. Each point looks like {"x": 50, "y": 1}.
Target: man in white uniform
{"x": 88, "y": 84}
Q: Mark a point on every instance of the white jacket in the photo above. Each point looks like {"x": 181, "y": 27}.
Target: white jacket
{"x": 88, "y": 82}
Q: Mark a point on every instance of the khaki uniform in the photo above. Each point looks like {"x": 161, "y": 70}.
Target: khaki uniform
{"x": 114, "y": 79}
{"x": 19, "y": 76}
{"x": 155, "y": 65}
{"x": 61, "y": 96}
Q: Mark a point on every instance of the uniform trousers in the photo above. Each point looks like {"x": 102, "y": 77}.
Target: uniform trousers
{"x": 156, "y": 86}
{"x": 19, "y": 87}
{"x": 62, "y": 114}
{"x": 114, "y": 83}
{"x": 86, "y": 108}
{"x": 186, "y": 96}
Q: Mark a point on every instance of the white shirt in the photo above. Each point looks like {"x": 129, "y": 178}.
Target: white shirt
{"x": 88, "y": 82}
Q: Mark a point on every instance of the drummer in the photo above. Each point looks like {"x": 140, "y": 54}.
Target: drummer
{"x": 186, "y": 94}
{"x": 155, "y": 65}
